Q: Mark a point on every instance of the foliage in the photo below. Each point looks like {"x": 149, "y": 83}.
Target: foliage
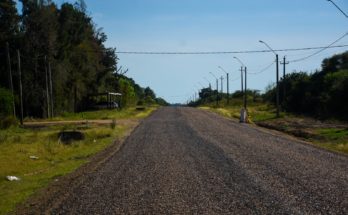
{"x": 128, "y": 93}
{"x": 207, "y": 96}
{"x": 7, "y": 122}
{"x": 161, "y": 101}
{"x": 9, "y": 25}
{"x": 54, "y": 159}
{"x": 6, "y": 103}
{"x": 64, "y": 41}
{"x": 323, "y": 94}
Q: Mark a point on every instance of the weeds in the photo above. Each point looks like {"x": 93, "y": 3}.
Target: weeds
{"x": 113, "y": 124}
{"x": 18, "y": 144}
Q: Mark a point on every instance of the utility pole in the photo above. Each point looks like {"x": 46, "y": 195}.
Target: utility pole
{"x": 217, "y": 88}
{"x": 284, "y": 79}
{"x": 20, "y": 85}
{"x": 227, "y": 84}
{"x": 217, "y": 92}
{"x": 245, "y": 88}
{"x": 241, "y": 78}
{"x": 228, "y": 89}
{"x": 51, "y": 86}
{"x": 47, "y": 92}
{"x": 277, "y": 75}
{"x": 10, "y": 77}
{"x": 222, "y": 88}
{"x": 277, "y": 62}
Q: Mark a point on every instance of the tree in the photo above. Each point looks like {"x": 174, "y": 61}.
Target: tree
{"x": 5, "y": 103}
{"x": 128, "y": 94}
{"x": 64, "y": 41}
{"x": 148, "y": 92}
{"x": 9, "y": 32}
{"x": 323, "y": 94}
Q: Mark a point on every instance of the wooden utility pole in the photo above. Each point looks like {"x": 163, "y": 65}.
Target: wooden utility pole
{"x": 47, "y": 92}
{"x": 284, "y": 79}
{"x": 241, "y": 78}
{"x": 228, "y": 89}
{"x": 10, "y": 77}
{"x": 245, "y": 89}
{"x": 51, "y": 86}
{"x": 217, "y": 92}
{"x": 20, "y": 85}
{"x": 222, "y": 88}
{"x": 277, "y": 77}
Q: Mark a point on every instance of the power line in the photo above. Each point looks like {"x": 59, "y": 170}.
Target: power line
{"x": 322, "y": 49}
{"x": 338, "y": 8}
{"x": 236, "y": 79}
{"x": 263, "y": 70}
{"x": 226, "y": 52}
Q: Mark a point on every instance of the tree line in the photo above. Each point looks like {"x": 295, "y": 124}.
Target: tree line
{"x": 63, "y": 60}
{"x": 322, "y": 94}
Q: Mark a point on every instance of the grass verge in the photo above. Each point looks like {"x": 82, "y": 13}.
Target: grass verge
{"x": 257, "y": 111}
{"x": 54, "y": 159}
{"x": 329, "y": 135}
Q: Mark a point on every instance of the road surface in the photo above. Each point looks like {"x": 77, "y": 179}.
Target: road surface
{"x": 189, "y": 161}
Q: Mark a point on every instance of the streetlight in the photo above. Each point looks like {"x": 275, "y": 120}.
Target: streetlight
{"x": 228, "y": 91}
{"x": 217, "y": 88}
{"x": 277, "y": 74}
{"x": 245, "y": 79}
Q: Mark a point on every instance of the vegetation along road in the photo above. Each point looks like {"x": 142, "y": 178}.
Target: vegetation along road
{"x": 190, "y": 161}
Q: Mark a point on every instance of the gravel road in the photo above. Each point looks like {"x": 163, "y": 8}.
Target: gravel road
{"x": 189, "y": 161}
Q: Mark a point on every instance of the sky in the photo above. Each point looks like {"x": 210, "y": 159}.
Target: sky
{"x": 215, "y": 25}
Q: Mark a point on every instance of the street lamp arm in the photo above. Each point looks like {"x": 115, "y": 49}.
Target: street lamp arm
{"x": 213, "y": 75}
{"x": 268, "y": 46}
{"x": 239, "y": 61}
{"x": 223, "y": 70}
{"x": 206, "y": 80}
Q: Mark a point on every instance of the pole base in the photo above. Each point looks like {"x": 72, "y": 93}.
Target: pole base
{"x": 243, "y": 116}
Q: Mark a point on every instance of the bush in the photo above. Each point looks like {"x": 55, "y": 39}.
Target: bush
{"x": 6, "y": 105}
{"x": 7, "y": 122}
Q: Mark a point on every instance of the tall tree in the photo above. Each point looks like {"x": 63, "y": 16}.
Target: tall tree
{"x": 9, "y": 31}
{"x": 39, "y": 43}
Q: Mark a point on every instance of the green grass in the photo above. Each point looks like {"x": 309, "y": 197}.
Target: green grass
{"x": 102, "y": 114}
{"x": 257, "y": 111}
{"x": 330, "y": 138}
{"x": 335, "y": 139}
{"x": 55, "y": 159}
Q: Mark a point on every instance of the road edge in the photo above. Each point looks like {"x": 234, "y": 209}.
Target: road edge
{"x": 278, "y": 133}
{"x": 44, "y": 199}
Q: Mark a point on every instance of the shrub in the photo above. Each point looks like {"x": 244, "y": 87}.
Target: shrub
{"x": 7, "y": 122}
{"x": 6, "y": 105}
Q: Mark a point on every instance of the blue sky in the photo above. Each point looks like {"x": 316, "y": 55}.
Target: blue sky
{"x": 215, "y": 25}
